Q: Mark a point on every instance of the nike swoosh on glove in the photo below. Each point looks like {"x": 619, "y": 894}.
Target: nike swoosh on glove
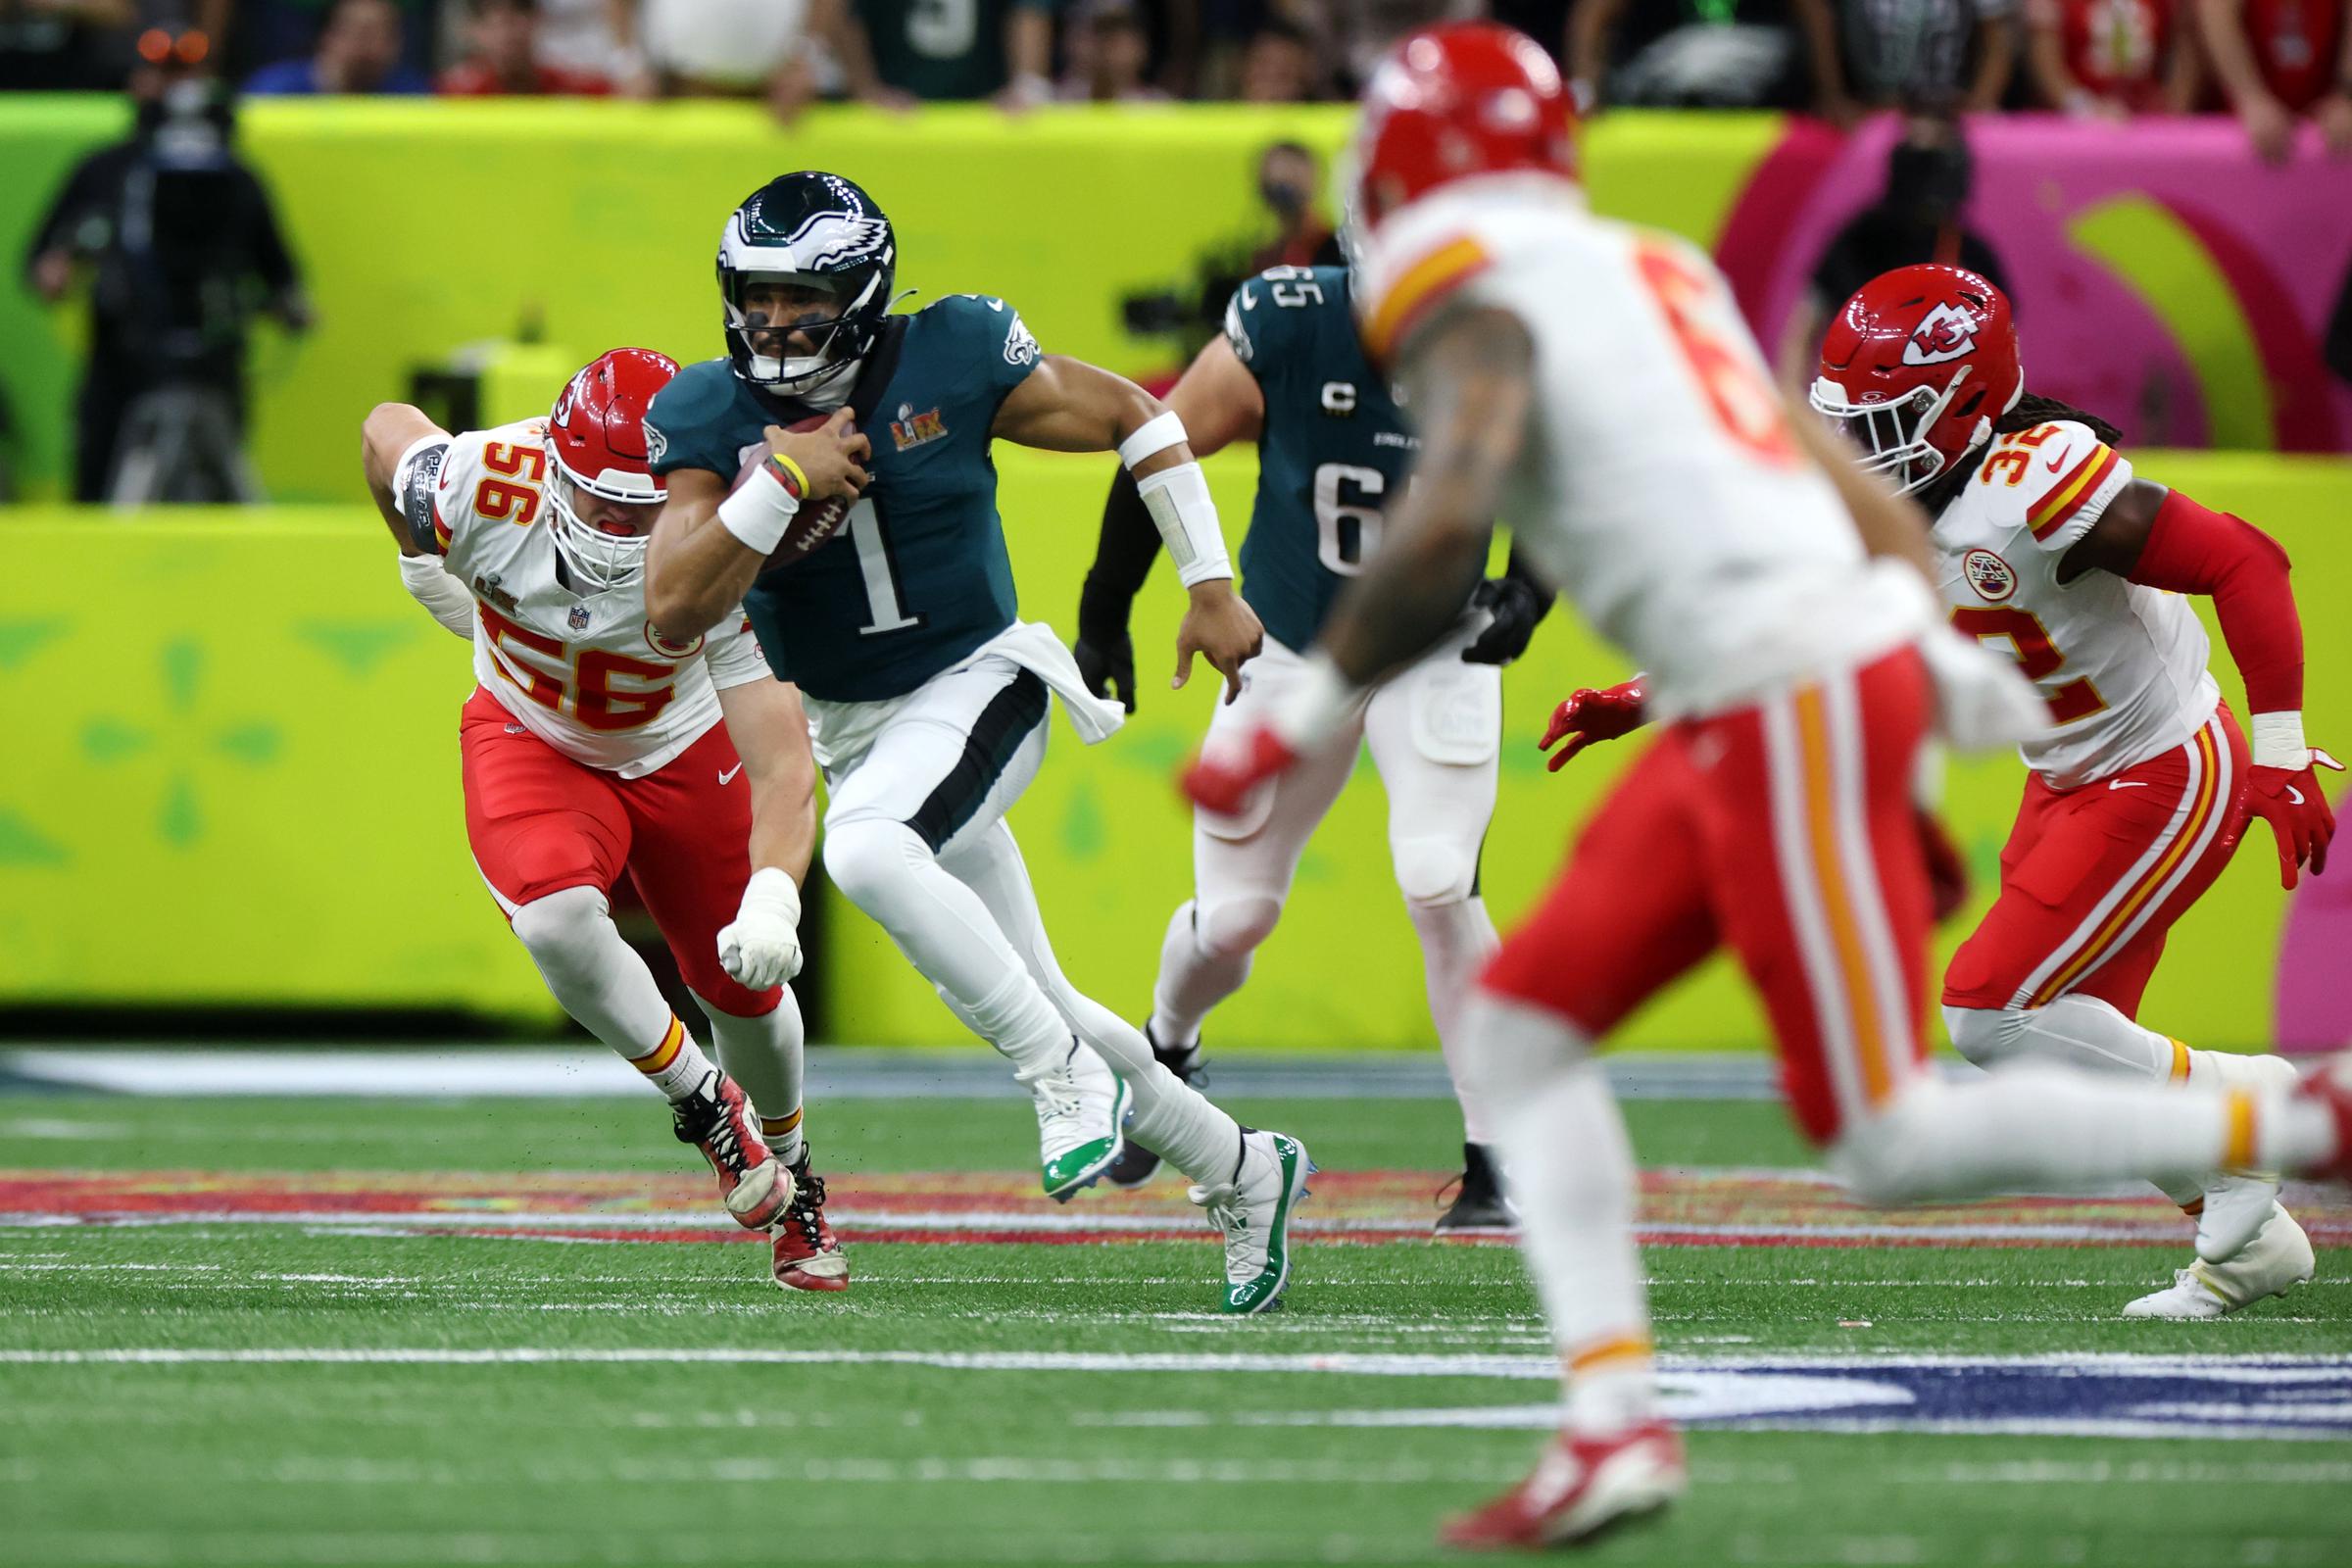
{"x": 1588, "y": 715}
{"x": 2291, "y": 801}
{"x": 763, "y": 946}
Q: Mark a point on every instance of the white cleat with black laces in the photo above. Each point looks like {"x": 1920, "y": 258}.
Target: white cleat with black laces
{"x": 1081, "y": 1121}
{"x": 1253, "y": 1210}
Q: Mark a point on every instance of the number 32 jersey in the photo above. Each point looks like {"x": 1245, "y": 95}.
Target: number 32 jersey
{"x": 2122, "y": 665}
{"x": 586, "y": 673}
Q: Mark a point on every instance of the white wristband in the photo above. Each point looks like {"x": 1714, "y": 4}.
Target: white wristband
{"x": 1186, "y": 516}
{"x": 772, "y": 891}
{"x": 759, "y": 512}
{"x": 444, "y": 598}
{"x": 1154, "y": 436}
{"x": 2277, "y": 740}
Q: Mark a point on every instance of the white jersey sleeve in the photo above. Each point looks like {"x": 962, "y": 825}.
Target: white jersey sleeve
{"x": 733, "y": 653}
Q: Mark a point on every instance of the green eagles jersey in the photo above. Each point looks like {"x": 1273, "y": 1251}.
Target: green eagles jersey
{"x": 919, "y": 577}
{"x": 941, "y": 49}
{"x": 1333, "y": 453}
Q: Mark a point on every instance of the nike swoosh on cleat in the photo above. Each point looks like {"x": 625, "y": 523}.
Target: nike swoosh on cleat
{"x": 728, "y": 777}
{"x": 2126, "y": 783}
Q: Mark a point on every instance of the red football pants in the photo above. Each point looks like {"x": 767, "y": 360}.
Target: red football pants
{"x": 540, "y": 822}
{"x": 1785, "y": 831}
{"x": 2094, "y": 877}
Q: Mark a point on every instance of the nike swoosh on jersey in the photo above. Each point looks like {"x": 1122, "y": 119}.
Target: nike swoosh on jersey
{"x": 2057, "y": 460}
{"x": 728, "y": 777}
{"x": 2124, "y": 783}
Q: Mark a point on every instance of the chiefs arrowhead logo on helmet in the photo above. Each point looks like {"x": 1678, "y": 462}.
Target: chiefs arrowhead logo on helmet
{"x": 1947, "y": 332}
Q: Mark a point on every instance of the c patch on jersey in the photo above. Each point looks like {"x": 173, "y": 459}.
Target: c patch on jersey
{"x": 1988, "y": 575}
{"x": 913, "y": 429}
{"x": 668, "y": 649}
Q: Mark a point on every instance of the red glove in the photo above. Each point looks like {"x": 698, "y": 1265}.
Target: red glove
{"x": 1590, "y": 715}
{"x": 1947, "y": 867}
{"x": 2291, "y": 801}
{"x": 1222, "y": 783}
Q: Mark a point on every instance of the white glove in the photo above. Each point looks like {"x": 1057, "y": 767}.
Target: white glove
{"x": 763, "y": 947}
{"x": 1983, "y": 702}
{"x": 444, "y": 598}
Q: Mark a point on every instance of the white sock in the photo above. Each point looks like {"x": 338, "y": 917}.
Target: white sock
{"x": 1570, "y": 1171}
{"x": 1193, "y": 979}
{"x": 604, "y": 985}
{"x": 1457, "y": 940}
{"x": 763, "y": 1056}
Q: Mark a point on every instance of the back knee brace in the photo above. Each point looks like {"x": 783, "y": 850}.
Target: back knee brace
{"x": 1435, "y": 869}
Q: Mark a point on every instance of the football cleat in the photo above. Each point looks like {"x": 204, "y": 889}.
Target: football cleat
{"x": 1479, "y": 1207}
{"x": 808, "y": 1256}
{"x": 2238, "y": 1205}
{"x": 1254, "y": 1210}
{"x": 717, "y": 1119}
{"x": 1580, "y": 1487}
{"x": 1081, "y": 1121}
{"x": 2276, "y": 1261}
{"x": 1137, "y": 1165}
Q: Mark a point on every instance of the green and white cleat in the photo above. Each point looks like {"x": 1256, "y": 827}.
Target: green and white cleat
{"x": 1253, "y": 1212}
{"x": 2277, "y": 1260}
{"x": 1081, "y": 1121}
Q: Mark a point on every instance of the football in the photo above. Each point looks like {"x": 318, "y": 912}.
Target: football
{"x": 816, "y": 522}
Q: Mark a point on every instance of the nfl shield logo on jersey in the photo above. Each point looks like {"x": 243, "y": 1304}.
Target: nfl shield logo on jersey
{"x": 1989, "y": 575}
{"x": 578, "y": 618}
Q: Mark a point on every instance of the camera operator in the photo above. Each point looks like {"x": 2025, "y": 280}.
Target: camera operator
{"x": 179, "y": 244}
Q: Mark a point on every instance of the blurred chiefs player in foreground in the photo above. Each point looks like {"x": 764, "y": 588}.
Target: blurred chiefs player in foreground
{"x": 593, "y": 746}
{"x": 2047, "y": 546}
{"x": 1594, "y": 383}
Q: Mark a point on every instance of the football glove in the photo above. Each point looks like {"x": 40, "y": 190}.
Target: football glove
{"x": 1516, "y": 608}
{"x": 2291, "y": 801}
{"x": 1105, "y": 650}
{"x": 1221, "y": 781}
{"x": 1947, "y": 867}
{"x": 1590, "y": 715}
{"x": 763, "y": 946}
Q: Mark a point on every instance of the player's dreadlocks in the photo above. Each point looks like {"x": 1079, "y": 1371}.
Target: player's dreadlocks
{"x": 2032, "y": 410}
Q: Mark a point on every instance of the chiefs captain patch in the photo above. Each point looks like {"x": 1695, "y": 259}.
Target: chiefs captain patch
{"x": 1989, "y": 575}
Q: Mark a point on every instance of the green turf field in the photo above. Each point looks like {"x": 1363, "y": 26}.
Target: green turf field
{"x": 277, "y": 1332}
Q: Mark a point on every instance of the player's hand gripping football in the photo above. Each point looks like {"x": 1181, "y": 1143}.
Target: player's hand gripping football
{"x": 2292, "y": 802}
{"x": 830, "y": 456}
{"x": 1220, "y": 627}
{"x": 763, "y": 946}
{"x": 1590, "y": 715}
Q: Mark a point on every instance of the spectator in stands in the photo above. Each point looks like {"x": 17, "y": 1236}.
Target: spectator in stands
{"x": 1930, "y": 55}
{"x": 179, "y": 242}
{"x": 596, "y": 38}
{"x": 2278, "y": 59}
{"x": 503, "y": 58}
{"x": 733, "y": 49}
{"x": 1105, "y": 52}
{"x": 1287, "y": 183}
{"x": 1709, "y": 54}
{"x": 61, "y": 45}
{"x": 1919, "y": 216}
{"x": 895, "y": 54}
{"x": 359, "y": 51}
{"x": 1359, "y": 31}
{"x": 2112, "y": 59}
{"x": 1278, "y": 66}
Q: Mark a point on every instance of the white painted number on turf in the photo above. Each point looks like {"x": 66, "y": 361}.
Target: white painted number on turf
{"x": 873, "y": 560}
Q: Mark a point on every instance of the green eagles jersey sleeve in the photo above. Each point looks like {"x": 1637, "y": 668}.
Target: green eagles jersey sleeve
{"x": 987, "y": 342}
{"x": 695, "y": 422}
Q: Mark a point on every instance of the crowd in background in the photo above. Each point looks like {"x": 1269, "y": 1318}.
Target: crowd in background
{"x": 2269, "y": 62}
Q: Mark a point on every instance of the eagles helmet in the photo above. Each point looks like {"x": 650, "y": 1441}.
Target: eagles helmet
{"x": 819, "y": 233}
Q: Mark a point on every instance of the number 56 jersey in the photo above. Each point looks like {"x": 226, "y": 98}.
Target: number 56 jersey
{"x": 2122, "y": 667}
{"x": 586, "y": 672}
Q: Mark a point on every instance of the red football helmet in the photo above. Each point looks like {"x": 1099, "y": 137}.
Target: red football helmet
{"x": 603, "y": 485}
{"x": 1448, "y": 103}
{"x": 1916, "y": 367}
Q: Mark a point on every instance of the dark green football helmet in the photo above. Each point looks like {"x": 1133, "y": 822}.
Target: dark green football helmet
{"x": 825, "y": 239}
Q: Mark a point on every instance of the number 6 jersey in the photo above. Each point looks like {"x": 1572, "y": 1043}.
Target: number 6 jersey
{"x": 2122, "y": 667}
{"x": 585, "y": 673}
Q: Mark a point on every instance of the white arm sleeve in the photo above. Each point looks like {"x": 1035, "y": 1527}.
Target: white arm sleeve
{"x": 443, "y": 596}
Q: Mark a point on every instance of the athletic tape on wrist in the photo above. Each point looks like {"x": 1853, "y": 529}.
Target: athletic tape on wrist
{"x": 1157, "y": 434}
{"x": 758, "y": 515}
{"x": 1186, "y": 516}
{"x": 2275, "y": 739}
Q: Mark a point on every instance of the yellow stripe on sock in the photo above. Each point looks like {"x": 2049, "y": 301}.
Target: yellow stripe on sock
{"x": 1602, "y": 1352}
{"x": 2180, "y": 1062}
{"x": 2237, "y": 1148}
{"x": 778, "y": 1126}
{"x": 657, "y": 1060}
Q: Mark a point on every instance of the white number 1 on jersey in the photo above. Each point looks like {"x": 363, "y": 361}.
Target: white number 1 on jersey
{"x": 873, "y": 562}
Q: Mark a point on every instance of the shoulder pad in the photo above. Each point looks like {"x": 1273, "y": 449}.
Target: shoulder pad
{"x": 697, "y": 396}
{"x": 2054, "y": 481}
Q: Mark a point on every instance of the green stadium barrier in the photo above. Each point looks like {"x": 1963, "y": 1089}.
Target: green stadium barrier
{"x": 235, "y": 779}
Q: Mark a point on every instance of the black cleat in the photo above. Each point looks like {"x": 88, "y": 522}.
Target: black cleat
{"x": 1137, "y": 1165}
{"x": 1479, "y": 1207}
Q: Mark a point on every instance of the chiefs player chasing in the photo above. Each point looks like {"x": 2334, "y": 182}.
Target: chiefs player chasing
{"x": 2047, "y": 545}
{"x": 1594, "y": 383}
{"x": 593, "y": 744}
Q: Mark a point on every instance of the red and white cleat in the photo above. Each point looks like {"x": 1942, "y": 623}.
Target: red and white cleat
{"x": 807, "y": 1254}
{"x": 717, "y": 1119}
{"x": 2332, "y": 1086}
{"x": 1580, "y": 1487}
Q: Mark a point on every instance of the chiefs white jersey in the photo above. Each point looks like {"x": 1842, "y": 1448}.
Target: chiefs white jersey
{"x": 585, "y": 673}
{"x": 1661, "y": 486}
{"x": 2122, "y": 665}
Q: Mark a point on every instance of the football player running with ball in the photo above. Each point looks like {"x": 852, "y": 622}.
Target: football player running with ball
{"x": 1288, "y": 372}
{"x": 2049, "y": 547}
{"x": 1595, "y": 383}
{"x": 926, "y": 694}
{"x": 595, "y": 744}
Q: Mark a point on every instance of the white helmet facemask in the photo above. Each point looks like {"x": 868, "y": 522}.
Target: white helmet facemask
{"x": 598, "y": 560}
{"x": 1891, "y": 437}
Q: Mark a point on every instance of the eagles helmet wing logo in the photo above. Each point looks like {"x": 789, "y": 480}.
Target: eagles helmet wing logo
{"x": 1947, "y": 333}
{"x": 833, "y": 238}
